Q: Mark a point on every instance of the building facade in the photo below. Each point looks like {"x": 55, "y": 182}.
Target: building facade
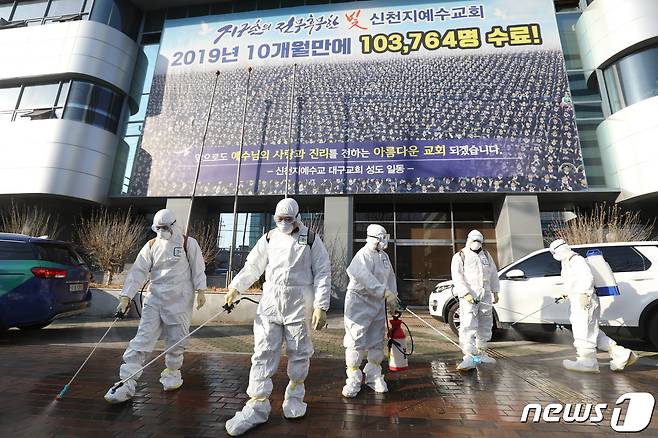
{"x": 80, "y": 100}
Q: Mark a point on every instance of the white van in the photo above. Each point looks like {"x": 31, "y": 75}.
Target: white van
{"x": 534, "y": 282}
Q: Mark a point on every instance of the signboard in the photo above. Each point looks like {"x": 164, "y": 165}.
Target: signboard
{"x": 367, "y": 97}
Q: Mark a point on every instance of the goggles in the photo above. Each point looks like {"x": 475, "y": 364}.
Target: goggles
{"x": 164, "y": 227}
{"x": 287, "y": 219}
{"x": 381, "y": 236}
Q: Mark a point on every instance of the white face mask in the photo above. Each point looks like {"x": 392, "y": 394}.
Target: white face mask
{"x": 164, "y": 234}
{"x": 382, "y": 244}
{"x": 475, "y": 246}
{"x": 285, "y": 227}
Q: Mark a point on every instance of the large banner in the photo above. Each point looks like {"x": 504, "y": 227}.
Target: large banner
{"x": 367, "y": 97}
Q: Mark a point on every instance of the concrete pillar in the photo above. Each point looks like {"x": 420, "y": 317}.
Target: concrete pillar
{"x": 338, "y": 237}
{"x": 518, "y": 228}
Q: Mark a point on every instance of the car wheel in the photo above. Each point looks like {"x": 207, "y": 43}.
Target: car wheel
{"x": 34, "y": 326}
{"x": 453, "y": 317}
{"x": 652, "y": 334}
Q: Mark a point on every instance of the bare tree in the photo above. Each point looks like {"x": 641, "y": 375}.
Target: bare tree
{"x": 205, "y": 232}
{"x": 604, "y": 223}
{"x": 109, "y": 238}
{"x": 29, "y": 220}
{"x": 336, "y": 250}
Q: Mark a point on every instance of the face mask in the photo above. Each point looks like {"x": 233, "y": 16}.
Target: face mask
{"x": 285, "y": 227}
{"x": 164, "y": 234}
{"x": 382, "y": 244}
{"x": 475, "y": 246}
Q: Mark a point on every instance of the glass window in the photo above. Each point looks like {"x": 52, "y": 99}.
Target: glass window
{"x": 61, "y": 100}
{"x": 588, "y": 110}
{"x": 473, "y": 212}
{"x": 154, "y": 21}
{"x": 541, "y": 265}
{"x": 5, "y": 10}
{"x": 64, "y": 7}
{"x": 119, "y": 14}
{"x": 8, "y": 98}
{"x": 95, "y": 105}
{"x": 39, "y": 96}
{"x": 632, "y": 78}
{"x": 57, "y": 254}
{"x": 412, "y": 213}
{"x": 462, "y": 230}
{"x": 361, "y": 229}
{"x": 419, "y": 268}
{"x": 15, "y": 251}
{"x": 567, "y": 28}
{"x": 424, "y": 231}
{"x": 151, "y": 51}
{"x": 244, "y": 6}
{"x": 579, "y": 90}
{"x": 30, "y": 9}
{"x": 621, "y": 258}
{"x": 268, "y": 4}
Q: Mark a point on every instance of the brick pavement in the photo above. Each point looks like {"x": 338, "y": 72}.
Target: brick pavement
{"x": 430, "y": 399}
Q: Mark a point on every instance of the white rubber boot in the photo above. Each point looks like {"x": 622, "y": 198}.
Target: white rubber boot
{"x": 122, "y": 394}
{"x": 171, "y": 379}
{"x": 621, "y": 358}
{"x": 584, "y": 364}
{"x": 467, "y": 364}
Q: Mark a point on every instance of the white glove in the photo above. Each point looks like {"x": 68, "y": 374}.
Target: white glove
{"x": 469, "y": 298}
{"x": 200, "y": 298}
{"x": 124, "y": 304}
{"x": 231, "y": 295}
{"x": 319, "y": 319}
{"x": 392, "y": 301}
{"x": 565, "y": 297}
{"x": 495, "y": 298}
{"x": 585, "y": 301}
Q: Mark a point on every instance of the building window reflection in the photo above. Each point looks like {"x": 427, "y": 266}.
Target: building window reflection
{"x": 633, "y": 78}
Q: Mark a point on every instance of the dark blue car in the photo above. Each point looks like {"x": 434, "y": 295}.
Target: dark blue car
{"x": 40, "y": 280}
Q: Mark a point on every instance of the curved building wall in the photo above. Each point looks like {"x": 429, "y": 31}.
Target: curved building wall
{"x": 73, "y": 151}
{"x": 609, "y": 28}
{"x": 629, "y": 148}
{"x": 82, "y": 48}
{"x": 57, "y": 157}
{"x": 619, "y": 47}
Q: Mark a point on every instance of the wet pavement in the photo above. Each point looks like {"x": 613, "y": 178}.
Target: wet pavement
{"x": 429, "y": 399}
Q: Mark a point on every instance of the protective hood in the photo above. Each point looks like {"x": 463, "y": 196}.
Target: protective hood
{"x": 377, "y": 237}
{"x": 287, "y": 207}
{"x": 561, "y": 250}
{"x": 163, "y": 224}
{"x": 475, "y": 240}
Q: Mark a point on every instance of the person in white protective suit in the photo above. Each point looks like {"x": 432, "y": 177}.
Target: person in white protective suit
{"x": 175, "y": 265}
{"x": 475, "y": 279}
{"x": 297, "y": 280}
{"x": 372, "y": 288}
{"x": 585, "y": 314}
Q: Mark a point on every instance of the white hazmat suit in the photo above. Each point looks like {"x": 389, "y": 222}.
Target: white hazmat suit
{"x": 175, "y": 274}
{"x": 475, "y": 279}
{"x": 297, "y": 279}
{"x": 585, "y": 314}
{"x": 372, "y": 284}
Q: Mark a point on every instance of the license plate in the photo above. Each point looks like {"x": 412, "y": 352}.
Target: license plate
{"x": 77, "y": 287}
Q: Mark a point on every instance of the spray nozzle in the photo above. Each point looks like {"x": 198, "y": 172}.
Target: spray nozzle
{"x": 116, "y": 386}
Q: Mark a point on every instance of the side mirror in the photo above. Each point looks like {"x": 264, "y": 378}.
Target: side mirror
{"x": 515, "y": 274}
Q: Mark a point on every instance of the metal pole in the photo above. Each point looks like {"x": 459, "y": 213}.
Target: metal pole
{"x": 229, "y": 273}
{"x": 292, "y": 103}
{"x": 203, "y": 144}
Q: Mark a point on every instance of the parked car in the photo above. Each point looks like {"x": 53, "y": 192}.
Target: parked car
{"x": 534, "y": 282}
{"x": 40, "y": 280}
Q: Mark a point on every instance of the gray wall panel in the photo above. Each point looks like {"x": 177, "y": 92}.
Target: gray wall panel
{"x": 59, "y": 157}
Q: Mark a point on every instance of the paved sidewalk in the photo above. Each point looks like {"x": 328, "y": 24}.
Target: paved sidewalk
{"x": 430, "y": 399}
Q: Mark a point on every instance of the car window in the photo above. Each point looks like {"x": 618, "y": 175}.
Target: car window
{"x": 15, "y": 251}
{"x": 57, "y": 254}
{"x": 621, "y": 258}
{"x": 540, "y": 265}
